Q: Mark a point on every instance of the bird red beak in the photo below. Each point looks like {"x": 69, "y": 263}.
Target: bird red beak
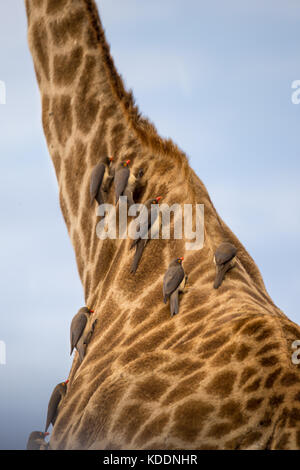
{"x": 158, "y": 198}
{"x": 127, "y": 163}
{"x": 46, "y": 434}
{"x": 111, "y": 159}
{"x": 182, "y": 258}
{"x": 67, "y": 381}
{"x": 92, "y": 311}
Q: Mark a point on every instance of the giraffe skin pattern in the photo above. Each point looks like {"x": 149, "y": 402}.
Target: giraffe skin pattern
{"x": 219, "y": 374}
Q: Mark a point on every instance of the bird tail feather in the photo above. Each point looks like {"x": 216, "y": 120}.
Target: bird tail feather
{"x": 174, "y": 306}
{"x": 137, "y": 256}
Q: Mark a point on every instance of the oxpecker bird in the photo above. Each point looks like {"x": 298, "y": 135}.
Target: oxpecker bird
{"x": 224, "y": 260}
{"x": 83, "y": 342}
{"x": 101, "y": 179}
{"x": 125, "y": 182}
{"x": 36, "y": 441}
{"x": 174, "y": 282}
{"x": 78, "y": 325}
{"x": 141, "y": 240}
{"x": 55, "y": 399}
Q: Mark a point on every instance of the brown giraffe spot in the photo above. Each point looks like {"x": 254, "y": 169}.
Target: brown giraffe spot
{"x": 148, "y": 363}
{"x": 54, "y": 6}
{"x": 210, "y": 347}
{"x": 222, "y": 383}
{"x": 298, "y": 439}
{"x": 184, "y": 388}
{"x": 70, "y": 26}
{"x": 65, "y": 68}
{"x": 266, "y": 333}
{"x": 148, "y": 344}
{"x": 283, "y": 417}
{"x": 251, "y": 438}
{"x": 270, "y": 380}
{"x": 130, "y": 420}
{"x": 291, "y": 330}
{"x": 62, "y": 117}
{"x": 86, "y": 228}
{"x": 224, "y": 357}
{"x": 150, "y": 389}
{"x": 266, "y": 420}
{"x": 252, "y": 328}
{"x": 282, "y": 443}
{"x": 182, "y": 367}
{"x": 254, "y": 403}
{"x": 40, "y": 43}
{"x": 208, "y": 446}
{"x": 242, "y": 352}
{"x": 219, "y": 430}
{"x": 294, "y": 417}
{"x": 91, "y": 39}
{"x": 98, "y": 148}
{"x": 87, "y": 285}
{"x": 87, "y": 100}
{"x": 231, "y": 410}
{"x": 113, "y": 337}
{"x": 247, "y": 374}
{"x": 189, "y": 419}
{"x": 253, "y": 386}
{"x": 194, "y": 333}
{"x": 79, "y": 259}
{"x": 269, "y": 361}
{"x": 152, "y": 429}
{"x": 117, "y": 137}
{"x": 289, "y": 379}
{"x": 72, "y": 168}
{"x": 297, "y": 396}
{"x": 103, "y": 261}
{"x": 267, "y": 348}
{"x": 64, "y": 209}
{"x": 276, "y": 400}
{"x": 46, "y": 117}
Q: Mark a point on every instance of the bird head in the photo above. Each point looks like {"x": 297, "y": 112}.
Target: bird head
{"x": 90, "y": 310}
{"x": 125, "y": 164}
{"x": 111, "y": 159}
{"x": 64, "y": 384}
{"x": 179, "y": 260}
{"x": 44, "y": 434}
{"x": 156, "y": 200}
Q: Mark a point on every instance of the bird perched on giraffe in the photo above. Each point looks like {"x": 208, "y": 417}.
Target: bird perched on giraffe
{"x": 143, "y": 231}
{"x": 101, "y": 179}
{"x": 174, "y": 282}
{"x": 79, "y": 337}
{"x": 36, "y": 441}
{"x": 56, "y": 397}
{"x": 224, "y": 261}
{"x": 126, "y": 182}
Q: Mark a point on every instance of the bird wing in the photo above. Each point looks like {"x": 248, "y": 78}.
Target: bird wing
{"x": 172, "y": 280}
{"x": 121, "y": 180}
{"x": 96, "y": 180}
{"x": 52, "y": 406}
{"x": 77, "y": 327}
{"x": 225, "y": 253}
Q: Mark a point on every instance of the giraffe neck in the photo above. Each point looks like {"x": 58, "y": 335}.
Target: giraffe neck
{"x": 86, "y": 112}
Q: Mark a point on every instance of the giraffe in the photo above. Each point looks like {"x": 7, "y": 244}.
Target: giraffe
{"x": 217, "y": 376}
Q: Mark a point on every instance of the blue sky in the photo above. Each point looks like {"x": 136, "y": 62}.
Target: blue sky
{"x": 216, "y": 77}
